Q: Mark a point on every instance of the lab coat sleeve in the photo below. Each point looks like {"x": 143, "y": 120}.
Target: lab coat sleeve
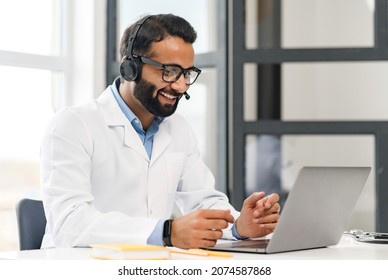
{"x": 197, "y": 185}
{"x": 72, "y": 220}
{"x": 198, "y": 192}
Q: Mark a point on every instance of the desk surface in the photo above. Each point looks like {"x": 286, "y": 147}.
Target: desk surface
{"x": 346, "y": 249}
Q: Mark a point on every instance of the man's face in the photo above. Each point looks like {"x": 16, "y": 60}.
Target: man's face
{"x": 158, "y": 97}
{"x": 144, "y": 92}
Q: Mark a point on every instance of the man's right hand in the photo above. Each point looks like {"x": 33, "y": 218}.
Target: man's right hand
{"x": 200, "y": 228}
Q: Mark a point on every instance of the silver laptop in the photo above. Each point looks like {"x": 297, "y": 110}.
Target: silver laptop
{"x": 315, "y": 214}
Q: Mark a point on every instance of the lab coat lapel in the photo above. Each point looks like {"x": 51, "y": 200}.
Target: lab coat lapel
{"x": 133, "y": 141}
{"x": 115, "y": 117}
{"x": 161, "y": 140}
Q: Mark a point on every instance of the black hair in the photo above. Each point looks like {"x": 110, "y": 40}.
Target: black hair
{"x": 155, "y": 29}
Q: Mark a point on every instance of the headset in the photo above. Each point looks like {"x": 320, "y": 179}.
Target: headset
{"x": 130, "y": 68}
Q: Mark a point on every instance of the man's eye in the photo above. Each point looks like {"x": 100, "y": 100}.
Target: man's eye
{"x": 169, "y": 72}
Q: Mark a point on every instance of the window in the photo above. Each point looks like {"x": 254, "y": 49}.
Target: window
{"x": 31, "y": 68}
{"x": 52, "y": 58}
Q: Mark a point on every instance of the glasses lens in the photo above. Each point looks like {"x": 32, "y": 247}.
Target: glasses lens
{"x": 170, "y": 73}
{"x": 191, "y": 76}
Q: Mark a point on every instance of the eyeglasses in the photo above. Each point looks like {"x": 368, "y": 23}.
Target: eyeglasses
{"x": 172, "y": 72}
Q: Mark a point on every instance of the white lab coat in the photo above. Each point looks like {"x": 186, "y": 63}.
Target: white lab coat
{"x": 100, "y": 186}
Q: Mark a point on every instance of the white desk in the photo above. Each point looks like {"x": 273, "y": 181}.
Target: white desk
{"x": 346, "y": 249}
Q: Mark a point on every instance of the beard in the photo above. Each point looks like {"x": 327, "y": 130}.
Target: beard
{"x": 144, "y": 91}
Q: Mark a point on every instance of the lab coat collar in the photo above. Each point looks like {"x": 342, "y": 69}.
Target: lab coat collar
{"x": 115, "y": 117}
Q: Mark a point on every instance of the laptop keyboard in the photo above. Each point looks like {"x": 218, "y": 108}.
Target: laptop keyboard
{"x": 260, "y": 243}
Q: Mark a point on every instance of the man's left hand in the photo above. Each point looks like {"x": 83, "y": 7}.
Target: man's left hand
{"x": 259, "y": 215}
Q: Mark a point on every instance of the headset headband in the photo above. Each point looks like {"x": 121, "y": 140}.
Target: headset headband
{"x": 133, "y": 37}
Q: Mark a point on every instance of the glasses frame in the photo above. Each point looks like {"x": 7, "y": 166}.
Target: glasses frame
{"x": 183, "y": 71}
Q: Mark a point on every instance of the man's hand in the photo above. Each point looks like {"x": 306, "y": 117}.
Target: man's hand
{"x": 200, "y": 228}
{"x": 259, "y": 215}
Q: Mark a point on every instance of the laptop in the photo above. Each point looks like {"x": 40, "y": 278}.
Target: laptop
{"x": 315, "y": 214}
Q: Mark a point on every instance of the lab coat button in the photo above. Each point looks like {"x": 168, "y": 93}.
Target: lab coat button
{"x": 150, "y": 212}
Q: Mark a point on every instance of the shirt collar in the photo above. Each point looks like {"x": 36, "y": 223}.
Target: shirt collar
{"x": 124, "y": 107}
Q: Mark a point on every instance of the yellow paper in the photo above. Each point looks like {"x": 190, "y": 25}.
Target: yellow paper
{"x": 129, "y": 251}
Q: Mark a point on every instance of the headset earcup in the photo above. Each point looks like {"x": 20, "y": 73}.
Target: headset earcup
{"x": 130, "y": 70}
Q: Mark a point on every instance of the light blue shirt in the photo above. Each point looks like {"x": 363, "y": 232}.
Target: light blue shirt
{"x": 235, "y": 234}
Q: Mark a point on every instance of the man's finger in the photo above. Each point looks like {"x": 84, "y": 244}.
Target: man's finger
{"x": 217, "y": 214}
{"x": 252, "y": 200}
{"x": 271, "y": 200}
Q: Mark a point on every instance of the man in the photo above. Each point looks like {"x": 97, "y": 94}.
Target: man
{"x": 114, "y": 169}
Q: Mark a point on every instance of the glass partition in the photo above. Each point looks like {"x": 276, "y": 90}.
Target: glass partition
{"x": 340, "y": 91}
{"x": 335, "y": 91}
{"x": 309, "y": 24}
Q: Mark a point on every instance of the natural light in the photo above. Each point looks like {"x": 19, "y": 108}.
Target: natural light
{"x": 30, "y": 38}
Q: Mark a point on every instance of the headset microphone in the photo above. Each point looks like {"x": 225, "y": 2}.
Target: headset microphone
{"x": 187, "y": 96}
